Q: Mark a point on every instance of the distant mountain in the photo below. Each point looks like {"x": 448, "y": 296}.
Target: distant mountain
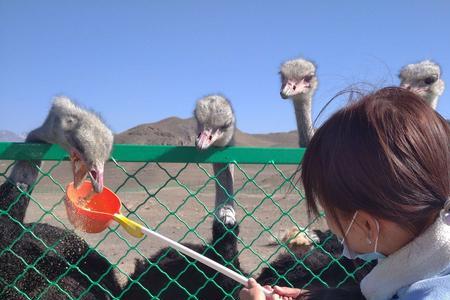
{"x": 170, "y": 131}
{"x": 9, "y": 136}
{"x": 182, "y": 132}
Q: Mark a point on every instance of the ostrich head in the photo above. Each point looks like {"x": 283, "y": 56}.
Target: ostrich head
{"x": 82, "y": 134}
{"x": 423, "y": 78}
{"x": 298, "y": 77}
{"x": 215, "y": 122}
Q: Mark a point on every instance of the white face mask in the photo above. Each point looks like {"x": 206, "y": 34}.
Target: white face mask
{"x": 347, "y": 252}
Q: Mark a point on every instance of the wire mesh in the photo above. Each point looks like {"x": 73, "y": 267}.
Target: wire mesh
{"x": 170, "y": 190}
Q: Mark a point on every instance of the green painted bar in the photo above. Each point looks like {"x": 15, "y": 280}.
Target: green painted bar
{"x": 157, "y": 153}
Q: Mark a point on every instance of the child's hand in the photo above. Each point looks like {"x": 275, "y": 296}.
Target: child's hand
{"x": 254, "y": 291}
{"x": 286, "y": 293}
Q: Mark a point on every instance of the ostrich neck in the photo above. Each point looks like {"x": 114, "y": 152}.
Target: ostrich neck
{"x": 23, "y": 174}
{"x": 224, "y": 242}
{"x": 302, "y": 107}
{"x": 25, "y": 171}
{"x": 224, "y": 184}
{"x": 434, "y": 102}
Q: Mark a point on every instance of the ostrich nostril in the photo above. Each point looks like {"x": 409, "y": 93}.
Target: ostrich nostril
{"x": 294, "y": 87}
{"x": 210, "y": 137}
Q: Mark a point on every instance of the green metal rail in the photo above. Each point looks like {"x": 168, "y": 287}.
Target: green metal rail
{"x": 169, "y": 154}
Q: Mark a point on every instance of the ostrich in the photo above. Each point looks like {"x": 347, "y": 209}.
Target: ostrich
{"x": 216, "y": 126}
{"x": 299, "y": 82}
{"x": 423, "y": 78}
{"x": 26, "y": 265}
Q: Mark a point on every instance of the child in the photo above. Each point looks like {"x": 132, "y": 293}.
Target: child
{"x": 380, "y": 169}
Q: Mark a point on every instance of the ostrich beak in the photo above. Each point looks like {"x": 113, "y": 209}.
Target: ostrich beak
{"x": 96, "y": 176}
{"x": 206, "y": 138}
{"x": 292, "y": 87}
{"x": 405, "y": 86}
{"x": 79, "y": 168}
{"x": 417, "y": 90}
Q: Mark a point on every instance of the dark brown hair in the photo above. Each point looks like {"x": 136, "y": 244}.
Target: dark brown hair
{"x": 386, "y": 154}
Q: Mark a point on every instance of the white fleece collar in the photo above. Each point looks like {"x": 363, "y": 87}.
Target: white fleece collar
{"x": 425, "y": 256}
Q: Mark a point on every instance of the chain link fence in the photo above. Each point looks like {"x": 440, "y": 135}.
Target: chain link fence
{"x": 171, "y": 190}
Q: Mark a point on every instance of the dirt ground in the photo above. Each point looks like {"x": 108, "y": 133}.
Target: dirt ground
{"x": 175, "y": 198}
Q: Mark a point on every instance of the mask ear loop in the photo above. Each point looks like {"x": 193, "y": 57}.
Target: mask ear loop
{"x": 349, "y": 226}
{"x": 378, "y": 235}
{"x": 445, "y": 212}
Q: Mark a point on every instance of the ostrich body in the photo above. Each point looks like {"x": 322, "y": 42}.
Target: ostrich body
{"x": 89, "y": 143}
{"x": 299, "y": 82}
{"x": 423, "y": 78}
{"x": 216, "y": 126}
{"x": 344, "y": 293}
{"x": 170, "y": 275}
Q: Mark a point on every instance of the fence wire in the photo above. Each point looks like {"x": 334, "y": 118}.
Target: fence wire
{"x": 170, "y": 190}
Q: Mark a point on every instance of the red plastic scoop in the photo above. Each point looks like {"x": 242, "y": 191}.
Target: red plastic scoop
{"x": 89, "y": 211}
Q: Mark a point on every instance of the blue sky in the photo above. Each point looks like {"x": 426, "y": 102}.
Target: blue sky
{"x": 141, "y": 61}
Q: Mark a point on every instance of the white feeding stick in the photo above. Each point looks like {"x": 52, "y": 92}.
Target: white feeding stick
{"x": 203, "y": 259}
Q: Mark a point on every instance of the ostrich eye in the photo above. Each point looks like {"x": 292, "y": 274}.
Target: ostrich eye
{"x": 307, "y": 78}
{"x": 226, "y": 125}
{"x": 430, "y": 80}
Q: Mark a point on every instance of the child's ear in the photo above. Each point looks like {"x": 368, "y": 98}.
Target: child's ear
{"x": 370, "y": 225}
